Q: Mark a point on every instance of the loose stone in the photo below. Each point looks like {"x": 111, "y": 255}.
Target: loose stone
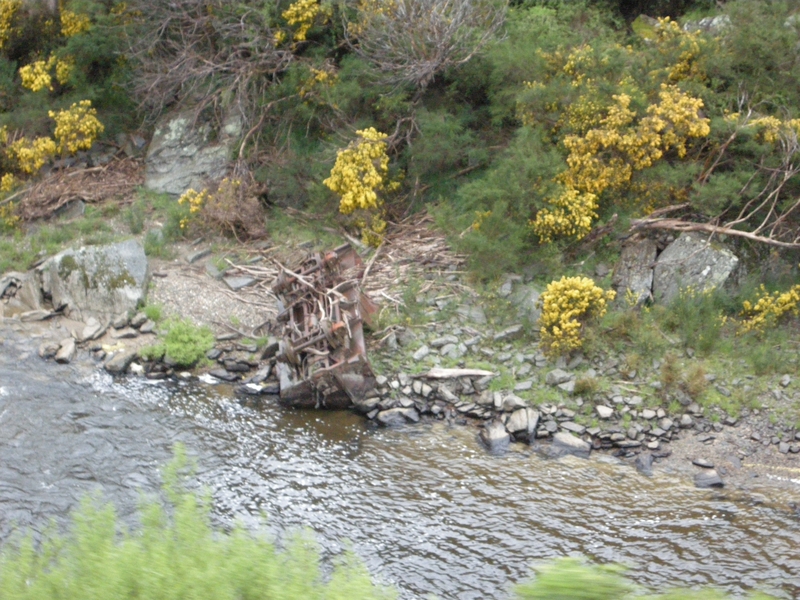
{"x": 443, "y": 341}
{"x": 48, "y": 349}
{"x": 238, "y": 283}
{"x": 708, "y": 479}
{"x": 421, "y": 353}
{"x": 567, "y": 386}
{"x": 604, "y": 412}
{"x": 557, "y": 376}
{"x": 397, "y": 416}
{"x": 120, "y": 361}
{"x": 66, "y": 351}
{"x": 124, "y": 334}
{"x": 573, "y": 427}
{"x": 508, "y": 334}
{"x": 199, "y": 254}
{"x": 495, "y": 436}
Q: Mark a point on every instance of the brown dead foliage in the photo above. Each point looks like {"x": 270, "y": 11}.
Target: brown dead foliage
{"x": 117, "y": 179}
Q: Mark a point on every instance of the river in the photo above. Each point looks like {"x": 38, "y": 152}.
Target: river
{"x": 426, "y": 508}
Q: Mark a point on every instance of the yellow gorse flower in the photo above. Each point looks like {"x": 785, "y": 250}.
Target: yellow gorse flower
{"x": 769, "y": 309}
{"x": 360, "y": 173}
{"x": 76, "y": 128}
{"x": 566, "y": 305}
{"x": 73, "y": 24}
{"x": 64, "y": 67}
{"x": 606, "y": 156}
{"x": 7, "y": 182}
{"x": 8, "y": 8}
{"x": 36, "y": 76}
{"x": 31, "y": 155}
{"x": 303, "y": 14}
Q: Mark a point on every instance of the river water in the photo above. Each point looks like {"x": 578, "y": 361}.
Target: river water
{"x": 426, "y": 508}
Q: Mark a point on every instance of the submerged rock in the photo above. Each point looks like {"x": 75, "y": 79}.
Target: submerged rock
{"x": 708, "y": 479}
{"x": 565, "y": 443}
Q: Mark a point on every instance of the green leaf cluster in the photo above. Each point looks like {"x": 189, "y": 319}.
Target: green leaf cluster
{"x": 182, "y": 342}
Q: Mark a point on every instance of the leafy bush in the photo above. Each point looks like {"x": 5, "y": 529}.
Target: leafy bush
{"x": 183, "y": 342}
{"x": 574, "y": 579}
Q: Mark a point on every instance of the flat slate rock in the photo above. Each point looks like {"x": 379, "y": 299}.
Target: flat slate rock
{"x": 238, "y": 283}
{"x": 565, "y": 443}
{"x": 223, "y": 375}
{"x": 195, "y": 256}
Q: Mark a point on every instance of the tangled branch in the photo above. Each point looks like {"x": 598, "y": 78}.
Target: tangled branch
{"x": 413, "y": 40}
{"x": 769, "y": 216}
{"x": 205, "y": 53}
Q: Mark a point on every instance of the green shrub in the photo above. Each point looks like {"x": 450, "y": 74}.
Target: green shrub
{"x": 183, "y": 342}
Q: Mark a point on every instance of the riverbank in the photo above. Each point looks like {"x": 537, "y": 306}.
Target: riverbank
{"x": 432, "y": 319}
{"x": 424, "y": 505}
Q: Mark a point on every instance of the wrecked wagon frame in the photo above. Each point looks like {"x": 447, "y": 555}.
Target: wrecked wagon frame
{"x": 322, "y": 357}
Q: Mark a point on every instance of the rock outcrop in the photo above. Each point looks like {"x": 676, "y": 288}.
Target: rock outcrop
{"x": 185, "y": 155}
{"x": 96, "y": 281}
{"x": 692, "y": 261}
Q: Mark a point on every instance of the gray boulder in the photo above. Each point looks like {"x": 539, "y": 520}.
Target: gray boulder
{"x": 182, "y": 155}
{"x": 634, "y": 271}
{"x": 565, "y": 443}
{"x": 522, "y": 423}
{"x": 692, "y": 260}
{"x": 495, "y": 437}
{"x": 96, "y": 281}
{"x": 526, "y": 299}
{"x": 120, "y": 362}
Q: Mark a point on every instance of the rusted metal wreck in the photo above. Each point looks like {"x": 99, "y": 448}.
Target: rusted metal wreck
{"x": 322, "y": 360}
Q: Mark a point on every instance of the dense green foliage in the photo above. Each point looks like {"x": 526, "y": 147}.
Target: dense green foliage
{"x": 182, "y": 342}
{"x": 487, "y": 125}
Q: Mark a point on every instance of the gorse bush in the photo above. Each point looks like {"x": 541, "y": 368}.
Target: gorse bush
{"x": 65, "y": 65}
{"x": 566, "y": 305}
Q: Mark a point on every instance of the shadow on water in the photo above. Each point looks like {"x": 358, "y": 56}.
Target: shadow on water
{"x": 424, "y": 506}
